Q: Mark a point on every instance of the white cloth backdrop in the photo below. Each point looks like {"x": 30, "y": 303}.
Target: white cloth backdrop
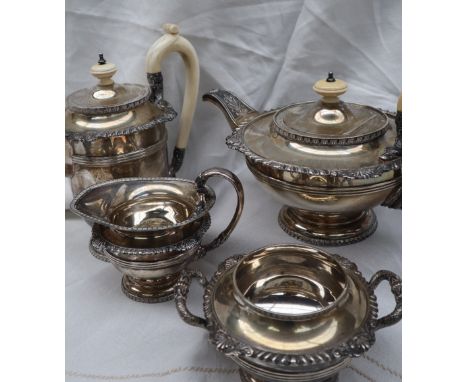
{"x": 269, "y": 53}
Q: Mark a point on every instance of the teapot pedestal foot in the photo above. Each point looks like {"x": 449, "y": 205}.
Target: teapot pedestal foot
{"x": 149, "y": 290}
{"x": 246, "y": 377}
{"x": 325, "y": 229}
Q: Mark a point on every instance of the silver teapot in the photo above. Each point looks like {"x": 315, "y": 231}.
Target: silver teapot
{"x": 118, "y": 130}
{"x": 329, "y": 162}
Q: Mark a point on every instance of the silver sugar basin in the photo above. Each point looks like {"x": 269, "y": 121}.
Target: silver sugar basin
{"x": 289, "y": 312}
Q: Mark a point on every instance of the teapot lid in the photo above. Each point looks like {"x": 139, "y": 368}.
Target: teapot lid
{"x": 330, "y": 121}
{"x": 107, "y": 97}
{"x": 110, "y": 109}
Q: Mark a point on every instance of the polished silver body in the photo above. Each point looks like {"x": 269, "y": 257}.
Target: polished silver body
{"x": 151, "y": 228}
{"x": 149, "y": 273}
{"x": 289, "y": 312}
{"x": 124, "y": 136}
{"x": 327, "y": 183}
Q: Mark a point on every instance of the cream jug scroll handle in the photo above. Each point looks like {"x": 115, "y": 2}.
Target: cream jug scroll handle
{"x": 172, "y": 41}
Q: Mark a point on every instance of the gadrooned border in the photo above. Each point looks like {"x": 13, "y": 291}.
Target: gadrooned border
{"x": 331, "y": 242}
{"x": 200, "y": 211}
{"x": 236, "y": 142}
{"x": 97, "y": 241}
{"x": 88, "y": 136}
{"x": 227, "y": 344}
{"x": 285, "y": 132}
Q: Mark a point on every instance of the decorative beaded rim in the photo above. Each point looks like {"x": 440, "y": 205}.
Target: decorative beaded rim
{"x": 331, "y": 242}
{"x": 349, "y": 190}
{"x": 236, "y": 142}
{"x": 286, "y": 132}
{"x": 361, "y": 341}
{"x": 200, "y": 210}
{"x": 87, "y": 136}
{"x": 97, "y": 241}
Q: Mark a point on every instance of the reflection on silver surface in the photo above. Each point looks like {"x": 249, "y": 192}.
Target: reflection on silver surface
{"x": 289, "y": 312}
{"x": 258, "y": 138}
{"x": 285, "y": 302}
{"x": 283, "y": 284}
{"x": 321, "y": 121}
{"x": 105, "y": 122}
{"x": 143, "y": 204}
{"x": 151, "y": 228}
{"x": 329, "y": 116}
{"x": 319, "y": 150}
{"x": 104, "y": 94}
{"x": 111, "y": 123}
{"x": 321, "y": 159}
{"x": 151, "y": 212}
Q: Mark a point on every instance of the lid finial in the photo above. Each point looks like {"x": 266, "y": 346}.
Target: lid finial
{"x": 102, "y": 60}
{"x": 330, "y": 88}
{"x": 103, "y": 71}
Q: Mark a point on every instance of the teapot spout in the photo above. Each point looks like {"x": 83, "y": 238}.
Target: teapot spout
{"x": 237, "y": 112}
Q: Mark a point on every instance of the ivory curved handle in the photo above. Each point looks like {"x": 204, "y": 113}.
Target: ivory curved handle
{"x": 173, "y": 42}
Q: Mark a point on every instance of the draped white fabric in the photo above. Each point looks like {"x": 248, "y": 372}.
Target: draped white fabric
{"x": 269, "y": 53}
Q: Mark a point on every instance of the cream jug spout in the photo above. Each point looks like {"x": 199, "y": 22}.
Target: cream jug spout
{"x": 237, "y": 112}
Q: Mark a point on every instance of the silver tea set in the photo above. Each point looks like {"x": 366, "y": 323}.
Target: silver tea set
{"x": 328, "y": 161}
